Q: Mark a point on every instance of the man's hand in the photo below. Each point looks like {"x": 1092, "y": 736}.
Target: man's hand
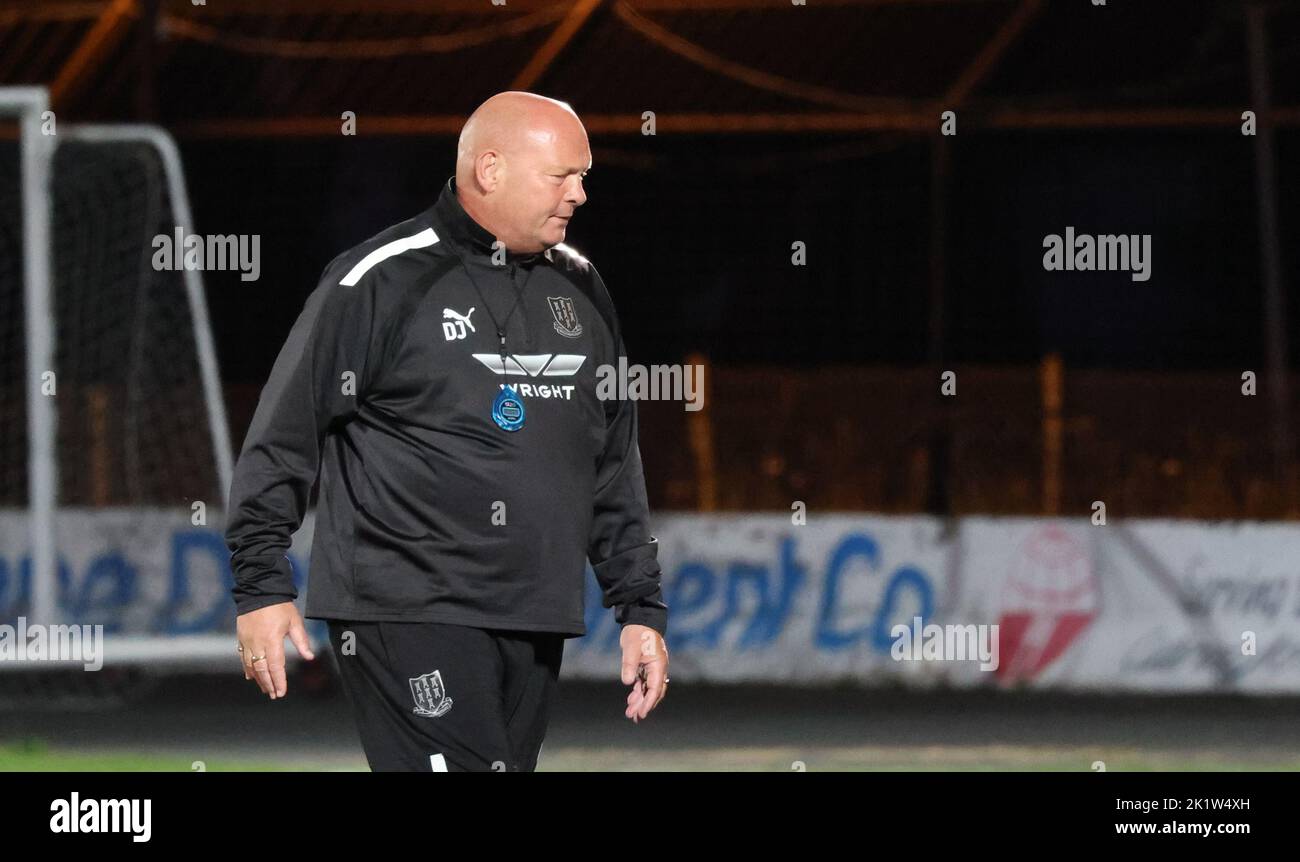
{"x": 261, "y": 639}
{"x": 645, "y": 668}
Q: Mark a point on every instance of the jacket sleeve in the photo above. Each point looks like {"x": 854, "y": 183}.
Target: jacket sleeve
{"x": 622, "y": 552}
{"x": 307, "y": 392}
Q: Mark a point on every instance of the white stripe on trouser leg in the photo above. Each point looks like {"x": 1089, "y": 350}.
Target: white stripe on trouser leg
{"x": 438, "y": 762}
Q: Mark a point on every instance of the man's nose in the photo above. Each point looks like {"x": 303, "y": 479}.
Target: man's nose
{"x": 576, "y": 195}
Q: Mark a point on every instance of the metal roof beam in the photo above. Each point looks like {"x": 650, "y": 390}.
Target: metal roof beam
{"x": 980, "y": 68}
{"x": 99, "y": 41}
{"x": 424, "y": 7}
{"x": 919, "y": 122}
{"x": 537, "y": 65}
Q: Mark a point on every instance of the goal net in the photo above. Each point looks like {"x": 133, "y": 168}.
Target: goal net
{"x": 114, "y": 450}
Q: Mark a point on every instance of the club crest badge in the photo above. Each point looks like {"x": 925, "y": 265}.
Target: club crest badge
{"x": 566, "y": 319}
{"x": 430, "y": 695}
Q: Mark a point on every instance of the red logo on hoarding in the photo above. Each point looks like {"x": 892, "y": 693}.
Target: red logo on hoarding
{"x": 1048, "y": 599}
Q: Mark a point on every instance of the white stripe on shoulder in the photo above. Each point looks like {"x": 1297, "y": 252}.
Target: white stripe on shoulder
{"x": 424, "y": 238}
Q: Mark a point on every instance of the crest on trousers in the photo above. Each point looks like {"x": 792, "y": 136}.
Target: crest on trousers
{"x": 430, "y": 695}
{"x": 566, "y": 319}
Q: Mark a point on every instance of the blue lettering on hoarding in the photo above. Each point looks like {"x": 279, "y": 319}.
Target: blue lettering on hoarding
{"x": 743, "y": 605}
{"x": 15, "y": 587}
{"x": 106, "y": 591}
{"x": 219, "y": 614}
{"x": 708, "y": 602}
{"x": 101, "y": 597}
{"x": 827, "y": 636}
{"x": 905, "y": 579}
{"x": 876, "y": 632}
{"x": 111, "y": 586}
{"x": 688, "y": 593}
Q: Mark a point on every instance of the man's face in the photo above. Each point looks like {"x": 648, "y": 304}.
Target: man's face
{"x": 543, "y": 187}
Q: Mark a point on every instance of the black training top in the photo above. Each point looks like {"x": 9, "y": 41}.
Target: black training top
{"x": 429, "y": 509}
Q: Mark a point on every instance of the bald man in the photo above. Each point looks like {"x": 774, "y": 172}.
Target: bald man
{"x": 442, "y": 381}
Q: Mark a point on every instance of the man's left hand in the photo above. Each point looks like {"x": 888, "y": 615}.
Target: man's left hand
{"x": 645, "y": 668}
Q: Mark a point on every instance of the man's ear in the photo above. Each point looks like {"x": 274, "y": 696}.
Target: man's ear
{"x": 488, "y": 168}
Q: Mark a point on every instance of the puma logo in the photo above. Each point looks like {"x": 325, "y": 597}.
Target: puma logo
{"x": 454, "y": 324}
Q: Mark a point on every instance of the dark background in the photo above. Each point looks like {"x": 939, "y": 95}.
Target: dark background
{"x": 780, "y": 123}
{"x": 697, "y": 249}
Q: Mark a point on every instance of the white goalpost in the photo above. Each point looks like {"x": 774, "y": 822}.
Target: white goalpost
{"x": 35, "y": 153}
{"x": 120, "y": 418}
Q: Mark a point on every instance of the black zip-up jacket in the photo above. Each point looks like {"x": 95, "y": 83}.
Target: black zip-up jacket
{"x": 428, "y": 510}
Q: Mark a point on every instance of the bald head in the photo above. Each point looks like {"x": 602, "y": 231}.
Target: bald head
{"x": 519, "y": 167}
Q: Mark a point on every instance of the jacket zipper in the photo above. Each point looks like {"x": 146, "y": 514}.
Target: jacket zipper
{"x": 523, "y": 301}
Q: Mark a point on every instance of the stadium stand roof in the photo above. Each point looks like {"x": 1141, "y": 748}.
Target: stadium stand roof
{"x": 234, "y": 68}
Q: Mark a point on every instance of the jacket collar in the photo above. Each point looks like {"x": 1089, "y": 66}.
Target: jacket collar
{"x": 467, "y": 235}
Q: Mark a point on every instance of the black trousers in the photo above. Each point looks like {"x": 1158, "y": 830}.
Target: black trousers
{"x": 448, "y": 698}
